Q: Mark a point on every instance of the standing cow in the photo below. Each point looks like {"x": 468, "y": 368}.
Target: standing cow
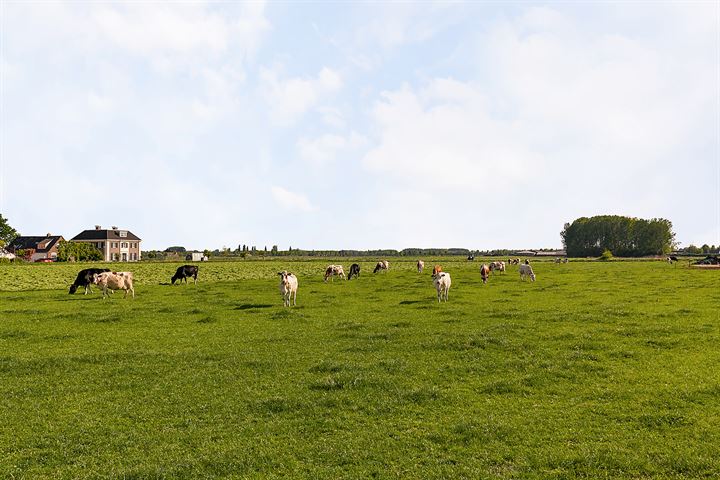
{"x": 288, "y": 287}
{"x": 442, "y": 284}
{"x": 484, "y": 273}
{"x": 354, "y": 271}
{"x": 382, "y": 265}
{"x": 85, "y": 279}
{"x": 185, "y": 272}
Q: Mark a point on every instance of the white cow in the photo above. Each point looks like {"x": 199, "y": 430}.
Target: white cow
{"x": 288, "y": 287}
{"x": 420, "y": 266}
{"x": 115, "y": 281}
{"x": 442, "y": 284}
{"x": 527, "y": 271}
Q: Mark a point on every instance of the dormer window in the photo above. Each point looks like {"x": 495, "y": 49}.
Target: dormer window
{"x": 123, "y": 233}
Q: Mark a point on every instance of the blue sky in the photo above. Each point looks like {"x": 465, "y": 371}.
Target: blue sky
{"x": 358, "y": 125}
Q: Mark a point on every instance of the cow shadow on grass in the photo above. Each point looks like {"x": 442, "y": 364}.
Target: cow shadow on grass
{"x": 410, "y": 302}
{"x": 248, "y": 306}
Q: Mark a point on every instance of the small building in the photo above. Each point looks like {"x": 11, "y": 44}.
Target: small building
{"x": 42, "y": 247}
{"x": 195, "y": 257}
{"x": 115, "y": 244}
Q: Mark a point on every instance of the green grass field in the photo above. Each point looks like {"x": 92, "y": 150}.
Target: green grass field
{"x": 597, "y": 370}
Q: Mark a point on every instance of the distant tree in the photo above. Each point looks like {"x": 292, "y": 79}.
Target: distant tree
{"x": 624, "y": 236}
{"x": 78, "y": 251}
{"x": 705, "y": 248}
{"x": 692, "y": 249}
{"x": 206, "y": 253}
{"x": 7, "y": 233}
{"x": 176, "y": 249}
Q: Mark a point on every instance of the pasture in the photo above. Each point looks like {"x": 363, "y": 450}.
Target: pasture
{"x": 596, "y": 370}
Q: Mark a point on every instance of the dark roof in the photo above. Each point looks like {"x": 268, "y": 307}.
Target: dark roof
{"x": 105, "y": 235}
{"x": 23, "y": 243}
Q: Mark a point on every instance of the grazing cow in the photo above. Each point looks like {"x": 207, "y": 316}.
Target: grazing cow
{"x": 565, "y": 260}
{"x": 527, "y": 271}
{"x": 334, "y": 270}
{"x": 484, "y": 273}
{"x": 671, "y": 259}
{"x": 420, "y": 266}
{"x": 499, "y": 266}
{"x": 558, "y": 260}
{"x": 382, "y": 265}
{"x": 354, "y": 270}
{"x": 185, "y": 272}
{"x": 85, "y": 279}
{"x": 442, "y": 285}
{"x": 115, "y": 281}
{"x": 471, "y": 257}
{"x": 288, "y": 287}
{"x": 436, "y": 269}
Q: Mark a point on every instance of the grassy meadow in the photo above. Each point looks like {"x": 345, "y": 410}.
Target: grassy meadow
{"x": 596, "y": 370}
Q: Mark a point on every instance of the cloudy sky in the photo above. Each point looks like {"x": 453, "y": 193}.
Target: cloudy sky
{"x": 358, "y": 125}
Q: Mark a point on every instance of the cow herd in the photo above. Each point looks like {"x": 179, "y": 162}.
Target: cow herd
{"x": 110, "y": 281}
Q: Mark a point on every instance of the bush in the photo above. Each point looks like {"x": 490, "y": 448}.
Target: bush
{"x": 606, "y": 255}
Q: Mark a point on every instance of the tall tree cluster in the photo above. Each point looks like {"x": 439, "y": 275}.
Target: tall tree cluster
{"x": 623, "y": 236}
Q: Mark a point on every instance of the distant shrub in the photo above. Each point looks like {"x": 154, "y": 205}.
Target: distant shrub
{"x": 606, "y": 255}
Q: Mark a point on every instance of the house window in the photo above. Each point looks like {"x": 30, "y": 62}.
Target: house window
{"x": 116, "y": 257}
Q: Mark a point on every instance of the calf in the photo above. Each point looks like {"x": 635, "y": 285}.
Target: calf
{"x": 442, "y": 284}
{"x": 484, "y": 273}
{"x": 332, "y": 270}
{"x": 527, "y": 271}
{"x": 354, "y": 270}
{"x": 420, "y": 266}
{"x": 85, "y": 279}
{"x": 288, "y": 287}
{"x": 382, "y": 265}
{"x": 185, "y": 272}
{"x": 115, "y": 281}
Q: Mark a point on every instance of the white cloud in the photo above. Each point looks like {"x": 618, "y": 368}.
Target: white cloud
{"x": 324, "y": 149}
{"x": 445, "y": 135}
{"x": 288, "y": 99}
{"x": 290, "y": 200}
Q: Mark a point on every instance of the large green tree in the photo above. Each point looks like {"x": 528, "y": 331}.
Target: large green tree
{"x": 78, "y": 251}
{"x": 623, "y": 236}
{"x": 7, "y": 233}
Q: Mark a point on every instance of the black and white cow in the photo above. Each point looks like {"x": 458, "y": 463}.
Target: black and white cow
{"x": 185, "y": 272}
{"x": 85, "y": 279}
{"x": 354, "y": 270}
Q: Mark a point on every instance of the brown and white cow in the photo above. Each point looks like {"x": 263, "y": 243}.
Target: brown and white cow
{"x": 484, "y": 273}
{"x": 115, "y": 281}
{"x": 334, "y": 270}
{"x": 382, "y": 265}
{"x": 499, "y": 266}
{"x": 420, "y": 266}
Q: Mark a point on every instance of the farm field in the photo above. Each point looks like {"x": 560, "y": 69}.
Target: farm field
{"x": 596, "y": 370}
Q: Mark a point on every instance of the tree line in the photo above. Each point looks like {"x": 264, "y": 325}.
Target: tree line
{"x": 623, "y": 236}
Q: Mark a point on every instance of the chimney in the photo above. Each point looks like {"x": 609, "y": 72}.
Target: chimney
{"x": 98, "y": 227}
{"x": 114, "y": 228}
{"x": 49, "y": 234}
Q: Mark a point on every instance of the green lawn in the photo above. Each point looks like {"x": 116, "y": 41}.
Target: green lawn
{"x": 597, "y": 370}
